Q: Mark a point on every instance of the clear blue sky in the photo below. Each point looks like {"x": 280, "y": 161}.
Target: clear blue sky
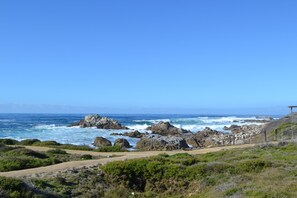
{"x": 133, "y": 56}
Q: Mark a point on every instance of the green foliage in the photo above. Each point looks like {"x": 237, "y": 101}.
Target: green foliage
{"x": 46, "y": 143}
{"x": 8, "y": 141}
{"x": 28, "y": 142}
{"x": 266, "y": 171}
{"x": 15, "y": 152}
{"x": 253, "y": 165}
{"x": 54, "y": 144}
{"x": 74, "y": 147}
{"x": 110, "y": 149}
{"x": 86, "y": 157}
{"x": 16, "y": 188}
{"x": 16, "y": 158}
{"x": 18, "y": 163}
{"x": 57, "y": 152}
{"x": 284, "y": 131}
{"x": 179, "y": 174}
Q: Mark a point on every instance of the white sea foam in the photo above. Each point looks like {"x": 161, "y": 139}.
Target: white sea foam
{"x": 153, "y": 121}
{"x": 139, "y": 126}
{"x": 68, "y": 135}
{"x": 50, "y": 126}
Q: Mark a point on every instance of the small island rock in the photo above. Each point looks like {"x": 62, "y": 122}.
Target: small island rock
{"x": 99, "y": 122}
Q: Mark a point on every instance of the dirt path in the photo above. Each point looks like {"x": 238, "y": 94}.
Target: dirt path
{"x": 119, "y": 156}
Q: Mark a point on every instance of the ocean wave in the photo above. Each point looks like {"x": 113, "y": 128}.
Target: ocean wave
{"x": 49, "y": 126}
{"x": 139, "y": 127}
{"x": 152, "y": 121}
{"x": 195, "y": 128}
{"x": 6, "y": 120}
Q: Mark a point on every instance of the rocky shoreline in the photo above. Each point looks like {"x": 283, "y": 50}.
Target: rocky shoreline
{"x": 165, "y": 136}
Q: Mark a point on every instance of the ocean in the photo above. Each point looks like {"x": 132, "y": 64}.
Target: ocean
{"x": 54, "y": 126}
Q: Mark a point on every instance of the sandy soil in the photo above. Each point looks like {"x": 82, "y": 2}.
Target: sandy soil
{"x": 110, "y": 157}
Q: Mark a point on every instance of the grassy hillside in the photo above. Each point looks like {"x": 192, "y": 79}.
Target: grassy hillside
{"x": 262, "y": 171}
{"x": 268, "y": 171}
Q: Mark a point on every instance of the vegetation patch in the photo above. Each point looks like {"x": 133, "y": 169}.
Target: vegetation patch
{"x": 54, "y": 144}
{"x": 262, "y": 171}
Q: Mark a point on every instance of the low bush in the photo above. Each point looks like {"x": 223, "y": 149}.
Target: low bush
{"x": 46, "y": 143}
{"x": 28, "y": 142}
{"x": 57, "y": 152}
{"x": 252, "y": 165}
{"x": 18, "y": 163}
{"x": 8, "y": 141}
{"x": 110, "y": 149}
{"x": 86, "y": 157}
{"x": 16, "y": 152}
{"x": 16, "y": 188}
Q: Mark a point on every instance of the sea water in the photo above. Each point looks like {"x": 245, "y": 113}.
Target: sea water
{"x": 54, "y": 126}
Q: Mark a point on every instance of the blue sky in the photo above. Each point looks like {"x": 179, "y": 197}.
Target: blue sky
{"x": 158, "y": 56}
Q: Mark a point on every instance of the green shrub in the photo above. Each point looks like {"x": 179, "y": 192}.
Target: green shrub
{"x": 74, "y": 147}
{"x": 110, "y": 149}
{"x": 57, "y": 151}
{"x": 46, "y": 143}
{"x": 28, "y": 142}
{"x": 252, "y": 165}
{"x": 25, "y": 152}
{"x": 8, "y": 141}
{"x": 86, "y": 157}
{"x": 19, "y": 163}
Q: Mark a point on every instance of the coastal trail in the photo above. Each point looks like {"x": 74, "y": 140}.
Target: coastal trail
{"x": 109, "y": 157}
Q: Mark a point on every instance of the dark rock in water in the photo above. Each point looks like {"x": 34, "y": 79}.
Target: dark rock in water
{"x": 123, "y": 143}
{"x": 132, "y": 134}
{"x": 155, "y": 142}
{"x": 99, "y": 122}
{"x": 101, "y": 141}
{"x": 165, "y": 129}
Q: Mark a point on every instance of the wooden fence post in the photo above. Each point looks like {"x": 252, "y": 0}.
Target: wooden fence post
{"x": 265, "y": 136}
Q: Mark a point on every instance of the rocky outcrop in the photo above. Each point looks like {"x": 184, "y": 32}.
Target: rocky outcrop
{"x": 259, "y": 119}
{"x": 99, "y": 122}
{"x": 157, "y": 142}
{"x": 123, "y": 143}
{"x": 205, "y": 138}
{"x": 291, "y": 118}
{"x": 132, "y": 134}
{"x": 101, "y": 141}
{"x": 252, "y": 129}
{"x": 165, "y": 129}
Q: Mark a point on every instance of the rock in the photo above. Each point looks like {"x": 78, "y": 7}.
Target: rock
{"x": 121, "y": 142}
{"x": 233, "y": 128}
{"x": 101, "y": 141}
{"x": 257, "y": 121}
{"x": 165, "y": 129}
{"x": 206, "y": 137}
{"x": 99, "y": 122}
{"x": 252, "y": 129}
{"x": 117, "y": 134}
{"x": 135, "y": 134}
{"x": 132, "y": 134}
{"x": 155, "y": 142}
